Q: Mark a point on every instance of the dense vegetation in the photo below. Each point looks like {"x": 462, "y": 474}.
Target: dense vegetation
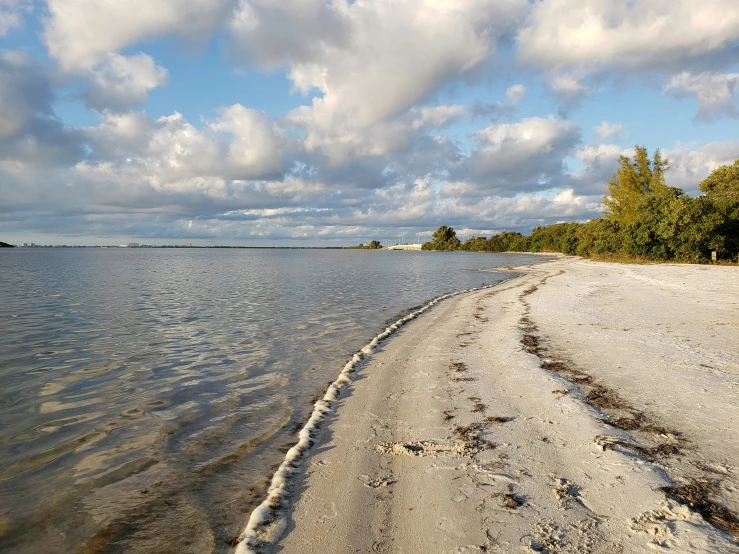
{"x": 644, "y": 219}
{"x": 5, "y": 245}
{"x": 373, "y": 245}
{"x": 444, "y": 238}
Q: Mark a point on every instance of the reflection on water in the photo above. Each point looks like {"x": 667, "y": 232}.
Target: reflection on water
{"x": 146, "y": 395}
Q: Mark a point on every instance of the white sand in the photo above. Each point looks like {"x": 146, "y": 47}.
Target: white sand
{"x": 389, "y": 473}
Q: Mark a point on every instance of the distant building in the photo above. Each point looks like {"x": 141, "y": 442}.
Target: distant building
{"x": 132, "y": 245}
{"x": 188, "y": 244}
{"x": 25, "y": 244}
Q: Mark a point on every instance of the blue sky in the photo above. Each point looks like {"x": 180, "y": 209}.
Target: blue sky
{"x": 327, "y": 122}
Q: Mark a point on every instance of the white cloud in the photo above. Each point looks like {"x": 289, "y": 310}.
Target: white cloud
{"x": 171, "y": 155}
{"x": 565, "y": 205}
{"x": 25, "y": 90}
{"x": 569, "y": 86}
{"x": 178, "y": 153}
{"x": 259, "y": 145}
{"x": 394, "y": 138}
{"x": 515, "y": 94}
{"x": 501, "y": 110}
{"x": 124, "y": 82}
{"x": 599, "y": 162}
{"x": 561, "y": 34}
{"x": 111, "y": 197}
{"x": 81, "y": 33}
{"x": 396, "y": 53}
{"x": 30, "y": 134}
{"x": 373, "y": 147}
{"x": 606, "y": 130}
{"x": 436, "y": 116}
{"x": 717, "y": 93}
{"x": 274, "y": 33}
{"x": 517, "y": 214}
{"x": 11, "y": 14}
{"x": 120, "y": 136}
{"x": 689, "y": 165}
{"x": 513, "y": 157}
{"x": 375, "y": 62}
{"x": 570, "y": 89}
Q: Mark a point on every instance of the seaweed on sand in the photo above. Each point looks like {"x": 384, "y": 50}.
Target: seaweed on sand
{"x": 695, "y": 495}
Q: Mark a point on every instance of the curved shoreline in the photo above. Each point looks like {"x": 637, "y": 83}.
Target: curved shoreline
{"x": 523, "y": 418}
{"x": 266, "y": 522}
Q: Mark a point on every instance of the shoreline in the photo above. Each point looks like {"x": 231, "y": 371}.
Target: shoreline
{"x": 266, "y": 522}
{"x": 520, "y": 452}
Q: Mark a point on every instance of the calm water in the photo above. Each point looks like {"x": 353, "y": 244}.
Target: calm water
{"x": 146, "y": 395}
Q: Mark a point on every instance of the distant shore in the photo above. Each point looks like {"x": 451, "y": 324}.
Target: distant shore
{"x": 580, "y": 407}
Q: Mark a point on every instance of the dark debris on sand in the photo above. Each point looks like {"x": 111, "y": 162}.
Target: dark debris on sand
{"x": 695, "y": 495}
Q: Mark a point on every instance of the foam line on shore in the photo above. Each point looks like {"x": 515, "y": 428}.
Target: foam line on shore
{"x": 268, "y": 522}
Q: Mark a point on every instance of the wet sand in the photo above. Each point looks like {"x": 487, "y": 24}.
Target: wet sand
{"x": 581, "y": 407}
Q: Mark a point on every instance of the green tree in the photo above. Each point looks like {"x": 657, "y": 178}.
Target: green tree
{"x": 560, "y": 237}
{"x": 475, "y": 244}
{"x": 508, "y": 241}
{"x": 669, "y": 225}
{"x": 374, "y": 245}
{"x": 599, "y": 237}
{"x": 518, "y": 243}
{"x": 722, "y": 191}
{"x": 444, "y": 238}
{"x": 723, "y": 183}
{"x": 645, "y": 219}
{"x": 631, "y": 182}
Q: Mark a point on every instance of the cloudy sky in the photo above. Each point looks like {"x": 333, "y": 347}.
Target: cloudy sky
{"x": 333, "y": 122}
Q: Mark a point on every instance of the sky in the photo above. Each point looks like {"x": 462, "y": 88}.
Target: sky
{"x": 335, "y": 122}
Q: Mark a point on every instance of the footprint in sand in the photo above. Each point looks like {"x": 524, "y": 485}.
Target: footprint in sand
{"x": 376, "y": 482}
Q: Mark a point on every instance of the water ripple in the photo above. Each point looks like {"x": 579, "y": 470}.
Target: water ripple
{"x": 147, "y": 394}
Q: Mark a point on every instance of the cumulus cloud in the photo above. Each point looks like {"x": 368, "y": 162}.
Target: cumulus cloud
{"x": 394, "y": 141}
{"x": 259, "y": 148}
{"x": 717, "y": 93}
{"x": 607, "y": 130}
{"x": 170, "y": 154}
{"x": 563, "y": 206}
{"x": 25, "y": 92}
{"x": 81, "y": 33}
{"x": 123, "y": 82}
{"x": 519, "y": 213}
{"x": 30, "y": 133}
{"x": 515, "y": 93}
{"x": 11, "y": 14}
{"x": 299, "y": 209}
{"x": 599, "y": 162}
{"x": 513, "y": 157}
{"x": 689, "y": 165}
{"x": 570, "y": 87}
{"x": 377, "y": 143}
{"x": 501, "y": 110}
{"x": 562, "y": 34}
{"x": 166, "y": 167}
{"x": 274, "y": 33}
{"x": 374, "y": 63}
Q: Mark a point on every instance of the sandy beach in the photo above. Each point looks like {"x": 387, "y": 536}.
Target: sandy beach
{"x": 581, "y": 407}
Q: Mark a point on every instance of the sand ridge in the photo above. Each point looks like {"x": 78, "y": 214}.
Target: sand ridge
{"x": 463, "y": 435}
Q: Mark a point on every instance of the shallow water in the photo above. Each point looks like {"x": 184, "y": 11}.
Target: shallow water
{"x": 146, "y": 395}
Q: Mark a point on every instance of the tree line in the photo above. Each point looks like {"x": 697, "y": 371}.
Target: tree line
{"x": 643, "y": 219}
{"x": 373, "y": 245}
